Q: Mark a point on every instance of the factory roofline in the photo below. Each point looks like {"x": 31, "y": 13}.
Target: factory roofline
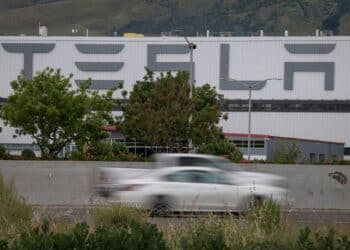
{"x": 112, "y": 128}
{"x": 266, "y": 136}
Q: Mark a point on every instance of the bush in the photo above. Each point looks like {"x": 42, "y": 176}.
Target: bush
{"x": 118, "y": 148}
{"x": 15, "y": 214}
{"x": 3, "y": 153}
{"x": 221, "y": 147}
{"x": 42, "y": 238}
{"x": 118, "y": 214}
{"x": 134, "y": 235}
{"x": 4, "y": 244}
{"x": 28, "y": 154}
{"x": 235, "y": 156}
{"x": 328, "y": 241}
{"x": 287, "y": 152}
{"x": 107, "y": 152}
{"x": 265, "y": 218}
{"x": 76, "y": 156}
{"x": 201, "y": 236}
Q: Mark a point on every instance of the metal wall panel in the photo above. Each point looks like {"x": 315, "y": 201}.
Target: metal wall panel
{"x": 318, "y": 126}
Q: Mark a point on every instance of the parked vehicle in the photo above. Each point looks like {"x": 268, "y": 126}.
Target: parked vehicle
{"x": 185, "y": 189}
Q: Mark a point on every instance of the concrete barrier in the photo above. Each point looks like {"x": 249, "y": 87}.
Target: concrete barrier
{"x": 70, "y": 182}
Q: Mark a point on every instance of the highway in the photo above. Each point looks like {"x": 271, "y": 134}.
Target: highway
{"x": 67, "y": 186}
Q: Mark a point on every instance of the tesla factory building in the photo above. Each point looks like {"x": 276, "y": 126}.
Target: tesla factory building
{"x": 302, "y": 84}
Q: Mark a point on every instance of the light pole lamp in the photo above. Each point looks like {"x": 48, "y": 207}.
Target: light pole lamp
{"x": 250, "y": 85}
{"x": 191, "y": 46}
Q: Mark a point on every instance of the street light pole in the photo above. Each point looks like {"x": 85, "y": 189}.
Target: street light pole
{"x": 249, "y": 120}
{"x": 250, "y": 85}
{"x": 191, "y": 47}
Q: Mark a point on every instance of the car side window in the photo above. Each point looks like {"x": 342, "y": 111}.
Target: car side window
{"x": 192, "y": 176}
{"x": 222, "y": 179}
{"x": 180, "y": 176}
{"x": 195, "y": 161}
{"x": 204, "y": 177}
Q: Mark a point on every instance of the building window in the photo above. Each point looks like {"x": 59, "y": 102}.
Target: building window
{"x": 244, "y": 143}
{"x": 312, "y": 158}
{"x": 334, "y": 158}
{"x": 259, "y": 144}
{"x": 346, "y": 151}
{"x": 327, "y": 106}
{"x": 321, "y": 157}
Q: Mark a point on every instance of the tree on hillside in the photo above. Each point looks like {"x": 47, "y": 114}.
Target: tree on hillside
{"x": 159, "y": 109}
{"x": 55, "y": 115}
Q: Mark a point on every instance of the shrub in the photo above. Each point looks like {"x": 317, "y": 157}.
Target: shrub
{"x": 328, "y": 241}
{"x": 221, "y": 147}
{"x": 204, "y": 235}
{"x": 99, "y": 151}
{"x": 28, "y": 154}
{"x": 235, "y": 156}
{"x": 265, "y": 218}
{"x": 109, "y": 152}
{"x": 118, "y": 214}
{"x": 43, "y": 238}
{"x": 3, "y": 153}
{"x": 287, "y": 152}
{"x": 135, "y": 235}
{"x": 3, "y": 244}
{"x": 15, "y": 214}
{"x": 76, "y": 156}
{"x": 118, "y": 148}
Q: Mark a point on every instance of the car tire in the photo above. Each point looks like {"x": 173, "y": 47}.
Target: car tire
{"x": 160, "y": 207}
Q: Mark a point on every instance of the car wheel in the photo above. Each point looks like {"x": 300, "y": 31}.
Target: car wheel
{"x": 160, "y": 207}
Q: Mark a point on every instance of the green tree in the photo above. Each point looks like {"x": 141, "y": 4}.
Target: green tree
{"x": 206, "y": 115}
{"x": 159, "y": 109}
{"x": 287, "y": 152}
{"x": 54, "y": 114}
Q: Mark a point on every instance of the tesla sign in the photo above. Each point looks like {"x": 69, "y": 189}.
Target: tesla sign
{"x": 154, "y": 50}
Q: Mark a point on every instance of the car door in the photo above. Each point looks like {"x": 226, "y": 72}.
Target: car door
{"x": 205, "y": 182}
{"x": 193, "y": 190}
{"x": 234, "y": 195}
{"x": 229, "y": 195}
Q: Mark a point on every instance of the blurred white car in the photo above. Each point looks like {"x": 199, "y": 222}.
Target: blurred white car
{"x": 184, "y": 189}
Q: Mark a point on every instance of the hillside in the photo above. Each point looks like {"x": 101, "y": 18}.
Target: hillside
{"x": 103, "y": 17}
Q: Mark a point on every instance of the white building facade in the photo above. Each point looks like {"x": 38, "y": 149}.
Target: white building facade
{"x": 303, "y": 90}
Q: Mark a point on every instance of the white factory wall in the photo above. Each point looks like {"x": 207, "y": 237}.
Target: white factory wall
{"x": 251, "y": 58}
